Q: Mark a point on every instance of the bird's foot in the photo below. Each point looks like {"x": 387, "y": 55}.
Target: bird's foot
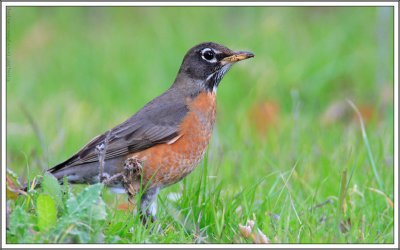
{"x": 148, "y": 206}
{"x": 148, "y": 218}
{"x": 133, "y": 166}
{"x": 149, "y": 221}
{"x": 131, "y": 175}
{"x": 107, "y": 180}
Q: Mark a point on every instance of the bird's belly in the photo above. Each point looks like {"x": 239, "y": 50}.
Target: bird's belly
{"x": 166, "y": 164}
{"x": 171, "y": 163}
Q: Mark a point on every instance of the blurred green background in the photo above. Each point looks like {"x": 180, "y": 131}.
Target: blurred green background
{"x": 78, "y": 71}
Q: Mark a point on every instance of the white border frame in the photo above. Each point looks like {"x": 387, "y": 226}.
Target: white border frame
{"x": 3, "y": 127}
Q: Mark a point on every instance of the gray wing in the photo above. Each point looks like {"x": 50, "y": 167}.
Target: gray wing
{"x": 154, "y": 124}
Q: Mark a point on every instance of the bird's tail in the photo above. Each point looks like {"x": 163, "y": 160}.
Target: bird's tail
{"x": 58, "y": 171}
{"x": 86, "y": 173}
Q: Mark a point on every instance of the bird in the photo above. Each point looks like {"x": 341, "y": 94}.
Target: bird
{"x": 164, "y": 141}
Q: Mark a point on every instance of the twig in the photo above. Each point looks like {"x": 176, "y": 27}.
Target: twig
{"x": 101, "y": 154}
{"x": 328, "y": 201}
{"x": 112, "y": 178}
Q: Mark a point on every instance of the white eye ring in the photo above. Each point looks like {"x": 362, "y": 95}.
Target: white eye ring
{"x": 206, "y": 53}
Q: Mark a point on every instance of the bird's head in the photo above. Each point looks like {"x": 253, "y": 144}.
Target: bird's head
{"x": 207, "y": 63}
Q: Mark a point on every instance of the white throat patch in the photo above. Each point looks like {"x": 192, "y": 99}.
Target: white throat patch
{"x": 217, "y": 76}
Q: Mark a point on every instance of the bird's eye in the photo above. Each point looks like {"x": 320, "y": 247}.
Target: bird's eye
{"x": 208, "y": 54}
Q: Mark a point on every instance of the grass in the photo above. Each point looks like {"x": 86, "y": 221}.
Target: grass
{"x": 286, "y": 152}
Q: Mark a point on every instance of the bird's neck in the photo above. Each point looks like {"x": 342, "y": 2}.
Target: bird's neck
{"x": 210, "y": 84}
{"x": 189, "y": 85}
{"x": 213, "y": 80}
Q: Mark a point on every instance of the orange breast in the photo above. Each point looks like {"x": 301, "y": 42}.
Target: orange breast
{"x": 165, "y": 164}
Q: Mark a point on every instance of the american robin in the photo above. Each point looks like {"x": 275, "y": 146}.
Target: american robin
{"x": 165, "y": 140}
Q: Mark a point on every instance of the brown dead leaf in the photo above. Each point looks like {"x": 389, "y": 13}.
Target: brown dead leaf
{"x": 345, "y": 225}
{"x": 13, "y": 186}
{"x": 125, "y": 206}
{"x": 368, "y": 113}
{"x": 340, "y": 111}
{"x": 259, "y": 237}
{"x": 255, "y": 234}
{"x": 264, "y": 115}
{"x": 246, "y": 230}
{"x": 335, "y": 112}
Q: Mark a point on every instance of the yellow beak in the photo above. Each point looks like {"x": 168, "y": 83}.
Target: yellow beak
{"x": 238, "y": 56}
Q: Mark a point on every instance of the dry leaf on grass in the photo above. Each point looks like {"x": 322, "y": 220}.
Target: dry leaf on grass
{"x": 125, "y": 206}
{"x": 247, "y": 229}
{"x": 259, "y": 237}
{"x": 340, "y": 111}
{"x": 13, "y": 186}
{"x": 255, "y": 234}
{"x": 264, "y": 115}
{"x": 335, "y": 112}
{"x": 345, "y": 225}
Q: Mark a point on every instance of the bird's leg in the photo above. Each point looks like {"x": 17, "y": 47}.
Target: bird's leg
{"x": 101, "y": 150}
{"x": 148, "y": 205}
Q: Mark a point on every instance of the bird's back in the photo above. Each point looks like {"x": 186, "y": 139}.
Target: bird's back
{"x": 156, "y": 123}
